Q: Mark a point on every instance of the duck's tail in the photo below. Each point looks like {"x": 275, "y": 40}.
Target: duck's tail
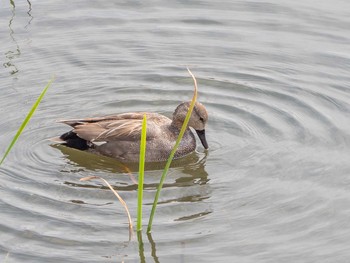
{"x": 72, "y": 140}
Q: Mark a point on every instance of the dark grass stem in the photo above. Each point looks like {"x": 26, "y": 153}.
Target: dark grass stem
{"x": 171, "y": 156}
{"x": 26, "y": 120}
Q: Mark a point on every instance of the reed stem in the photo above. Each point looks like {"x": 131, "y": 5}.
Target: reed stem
{"x": 171, "y": 156}
{"x": 141, "y": 172}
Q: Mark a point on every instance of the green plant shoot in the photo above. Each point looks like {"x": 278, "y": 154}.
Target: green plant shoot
{"x": 171, "y": 156}
{"x": 26, "y": 120}
{"x": 141, "y": 172}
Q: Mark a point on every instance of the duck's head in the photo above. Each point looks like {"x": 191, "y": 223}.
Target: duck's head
{"x": 198, "y": 119}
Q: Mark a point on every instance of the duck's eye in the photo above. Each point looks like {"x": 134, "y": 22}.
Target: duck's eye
{"x": 201, "y": 119}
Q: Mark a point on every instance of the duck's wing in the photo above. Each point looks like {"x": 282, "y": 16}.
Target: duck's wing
{"x": 123, "y": 116}
{"x": 125, "y": 126}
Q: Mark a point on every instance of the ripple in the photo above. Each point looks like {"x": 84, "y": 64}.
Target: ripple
{"x": 274, "y": 183}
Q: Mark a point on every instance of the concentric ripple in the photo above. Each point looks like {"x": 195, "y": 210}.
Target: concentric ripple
{"x": 256, "y": 130}
{"x": 274, "y": 78}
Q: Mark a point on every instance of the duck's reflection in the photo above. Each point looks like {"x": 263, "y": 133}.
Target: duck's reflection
{"x": 192, "y": 167}
{"x": 187, "y": 171}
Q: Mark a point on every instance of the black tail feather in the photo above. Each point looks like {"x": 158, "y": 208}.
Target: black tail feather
{"x": 72, "y": 140}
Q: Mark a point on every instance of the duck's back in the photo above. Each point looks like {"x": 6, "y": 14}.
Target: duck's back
{"x": 160, "y": 142}
{"x": 119, "y": 135}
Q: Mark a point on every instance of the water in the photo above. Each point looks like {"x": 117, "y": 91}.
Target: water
{"x": 274, "y": 75}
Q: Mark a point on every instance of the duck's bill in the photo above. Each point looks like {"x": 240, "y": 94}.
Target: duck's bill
{"x": 201, "y": 135}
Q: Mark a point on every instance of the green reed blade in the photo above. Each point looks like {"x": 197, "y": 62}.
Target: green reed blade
{"x": 171, "y": 156}
{"x": 141, "y": 173}
{"x": 26, "y": 120}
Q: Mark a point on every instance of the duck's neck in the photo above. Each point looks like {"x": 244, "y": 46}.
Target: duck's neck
{"x": 177, "y": 125}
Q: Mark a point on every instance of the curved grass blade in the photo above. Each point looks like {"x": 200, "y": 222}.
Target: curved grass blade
{"x": 26, "y": 120}
{"x": 116, "y": 194}
{"x": 141, "y": 172}
{"x": 171, "y": 156}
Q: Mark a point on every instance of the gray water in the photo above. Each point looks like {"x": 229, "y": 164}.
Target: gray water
{"x": 274, "y": 76}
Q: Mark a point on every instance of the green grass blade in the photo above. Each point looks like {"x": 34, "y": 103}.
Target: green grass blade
{"x": 141, "y": 173}
{"x": 26, "y": 120}
{"x": 171, "y": 156}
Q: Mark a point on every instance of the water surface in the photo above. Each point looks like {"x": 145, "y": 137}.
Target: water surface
{"x": 274, "y": 76}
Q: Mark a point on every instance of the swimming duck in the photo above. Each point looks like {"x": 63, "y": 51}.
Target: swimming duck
{"x": 118, "y": 136}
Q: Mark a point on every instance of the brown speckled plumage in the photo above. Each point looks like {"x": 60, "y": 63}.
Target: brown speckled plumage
{"x": 118, "y": 136}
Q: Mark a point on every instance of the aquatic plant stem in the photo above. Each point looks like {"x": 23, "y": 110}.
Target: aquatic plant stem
{"x": 171, "y": 156}
{"x": 141, "y": 247}
{"x": 26, "y": 120}
{"x": 141, "y": 173}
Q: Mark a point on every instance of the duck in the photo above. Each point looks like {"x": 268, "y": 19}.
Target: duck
{"x": 118, "y": 136}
